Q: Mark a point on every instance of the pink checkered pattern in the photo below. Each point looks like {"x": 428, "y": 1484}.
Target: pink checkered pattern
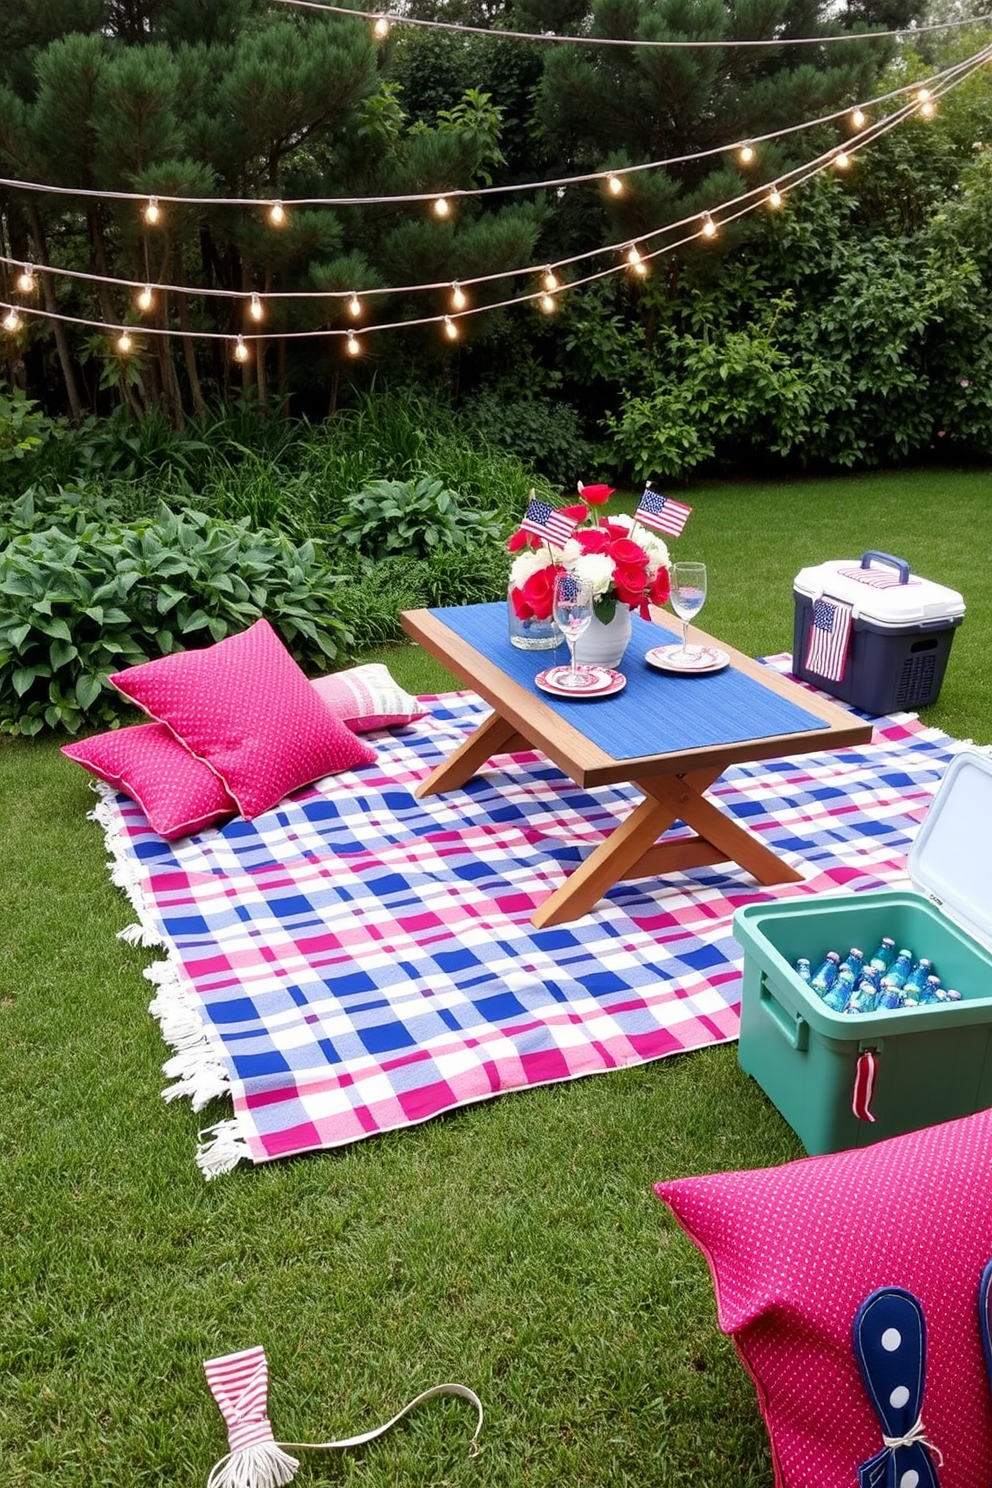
{"x": 361, "y": 960}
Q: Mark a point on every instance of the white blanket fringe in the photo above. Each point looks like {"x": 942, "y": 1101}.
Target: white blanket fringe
{"x": 221, "y": 1148}
{"x": 199, "y": 1075}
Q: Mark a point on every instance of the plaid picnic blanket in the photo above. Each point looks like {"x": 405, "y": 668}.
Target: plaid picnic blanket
{"x": 358, "y": 960}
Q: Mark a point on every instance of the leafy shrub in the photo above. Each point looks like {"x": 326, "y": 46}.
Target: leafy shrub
{"x": 371, "y": 600}
{"x": 412, "y": 518}
{"x": 543, "y": 433}
{"x": 24, "y": 429}
{"x": 81, "y": 598}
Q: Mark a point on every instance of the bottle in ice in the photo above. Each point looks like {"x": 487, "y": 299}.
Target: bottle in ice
{"x": 803, "y": 968}
{"x": 912, "y": 987}
{"x": 851, "y": 967}
{"x": 884, "y": 956}
{"x": 898, "y": 971}
{"x": 862, "y": 997}
{"x": 826, "y": 973}
{"x": 931, "y": 991}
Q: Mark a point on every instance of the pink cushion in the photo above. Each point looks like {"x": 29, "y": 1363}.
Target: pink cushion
{"x": 246, "y": 708}
{"x": 177, "y": 793}
{"x": 793, "y": 1252}
{"x": 366, "y": 697}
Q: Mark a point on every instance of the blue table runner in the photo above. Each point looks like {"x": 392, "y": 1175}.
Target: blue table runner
{"x": 656, "y": 713}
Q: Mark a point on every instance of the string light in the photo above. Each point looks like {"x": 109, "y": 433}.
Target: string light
{"x": 12, "y": 321}
{"x": 124, "y": 343}
{"x": 255, "y": 308}
{"x": 842, "y": 160}
{"x": 277, "y": 214}
{"x": 145, "y": 298}
{"x": 354, "y": 307}
{"x": 241, "y": 352}
{"x": 708, "y": 228}
{"x": 774, "y": 197}
{"x": 551, "y": 280}
{"x": 450, "y": 329}
{"x": 442, "y": 207}
{"x": 459, "y": 299}
{"x": 380, "y": 30}
{"x": 859, "y": 119}
{"x": 635, "y": 260}
{"x": 153, "y": 212}
{"x": 746, "y": 154}
{"x": 614, "y": 185}
{"x": 927, "y": 106}
{"x": 353, "y": 346}
{"x": 548, "y": 304}
{"x": 26, "y": 280}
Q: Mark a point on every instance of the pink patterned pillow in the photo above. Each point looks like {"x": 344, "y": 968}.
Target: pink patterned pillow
{"x": 793, "y": 1251}
{"x": 366, "y": 697}
{"x": 178, "y": 794}
{"x": 247, "y": 709}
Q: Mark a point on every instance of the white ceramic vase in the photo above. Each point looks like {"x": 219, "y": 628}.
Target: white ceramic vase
{"x": 604, "y": 645}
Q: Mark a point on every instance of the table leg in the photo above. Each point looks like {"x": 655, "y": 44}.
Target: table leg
{"x": 495, "y": 736}
{"x": 632, "y": 849}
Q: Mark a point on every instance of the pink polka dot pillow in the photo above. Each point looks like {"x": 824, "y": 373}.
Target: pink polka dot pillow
{"x": 178, "y": 793}
{"x": 793, "y": 1252}
{"x": 366, "y": 697}
{"x": 246, "y": 708}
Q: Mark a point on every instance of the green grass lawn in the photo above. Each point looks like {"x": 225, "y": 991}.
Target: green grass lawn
{"x": 515, "y": 1246}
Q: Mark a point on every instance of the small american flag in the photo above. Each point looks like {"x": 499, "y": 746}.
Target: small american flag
{"x": 662, "y": 513}
{"x": 826, "y": 654}
{"x": 877, "y": 578}
{"x": 548, "y": 523}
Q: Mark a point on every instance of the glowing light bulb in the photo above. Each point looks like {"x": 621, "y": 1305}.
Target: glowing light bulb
{"x": 927, "y": 107}
{"x": 633, "y": 254}
{"x": 450, "y": 329}
{"x": 708, "y": 228}
{"x": 12, "y": 321}
{"x": 550, "y": 280}
{"x": 459, "y": 299}
{"x": 842, "y": 160}
{"x": 124, "y": 343}
{"x": 153, "y": 212}
{"x": 25, "y": 280}
{"x": 380, "y": 30}
{"x": 256, "y": 309}
{"x": 746, "y": 154}
{"x": 145, "y": 298}
{"x": 614, "y": 185}
{"x": 442, "y": 207}
{"x": 922, "y": 95}
{"x": 354, "y": 307}
{"x": 859, "y": 118}
{"x": 548, "y": 304}
{"x": 774, "y": 197}
{"x": 353, "y": 346}
{"x": 277, "y": 214}
{"x": 240, "y": 350}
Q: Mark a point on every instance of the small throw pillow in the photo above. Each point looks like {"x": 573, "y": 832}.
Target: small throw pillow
{"x": 178, "y": 793}
{"x": 366, "y": 697}
{"x": 246, "y": 708}
{"x": 795, "y": 1250}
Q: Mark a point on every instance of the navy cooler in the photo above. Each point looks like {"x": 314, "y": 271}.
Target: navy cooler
{"x": 900, "y": 635}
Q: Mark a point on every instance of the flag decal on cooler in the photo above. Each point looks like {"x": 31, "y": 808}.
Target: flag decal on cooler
{"x": 829, "y": 633}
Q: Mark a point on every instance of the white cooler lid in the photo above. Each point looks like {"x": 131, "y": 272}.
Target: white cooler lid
{"x": 951, "y": 858}
{"x": 895, "y": 604}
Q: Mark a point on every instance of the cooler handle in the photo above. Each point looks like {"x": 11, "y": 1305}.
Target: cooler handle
{"x": 792, "y": 1026}
{"x": 899, "y": 563}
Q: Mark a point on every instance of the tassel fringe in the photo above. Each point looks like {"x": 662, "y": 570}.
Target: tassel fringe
{"x": 199, "y": 1075}
{"x": 265, "y": 1465}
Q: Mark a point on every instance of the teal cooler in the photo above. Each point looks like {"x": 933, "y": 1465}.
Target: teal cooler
{"x": 901, "y": 633}
{"x": 931, "y": 1063}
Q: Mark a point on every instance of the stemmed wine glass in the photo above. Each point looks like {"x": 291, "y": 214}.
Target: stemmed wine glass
{"x": 573, "y": 611}
{"x": 688, "y": 597}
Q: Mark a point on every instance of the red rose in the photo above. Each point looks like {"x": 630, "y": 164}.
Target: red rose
{"x": 628, "y": 554}
{"x": 630, "y": 584}
{"x": 593, "y": 540}
{"x": 578, "y": 511}
{"x": 596, "y": 494}
{"x": 662, "y": 587}
{"x": 539, "y": 593}
{"x": 522, "y": 540}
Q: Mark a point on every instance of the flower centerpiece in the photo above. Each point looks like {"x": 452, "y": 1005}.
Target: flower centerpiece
{"x": 627, "y": 572}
